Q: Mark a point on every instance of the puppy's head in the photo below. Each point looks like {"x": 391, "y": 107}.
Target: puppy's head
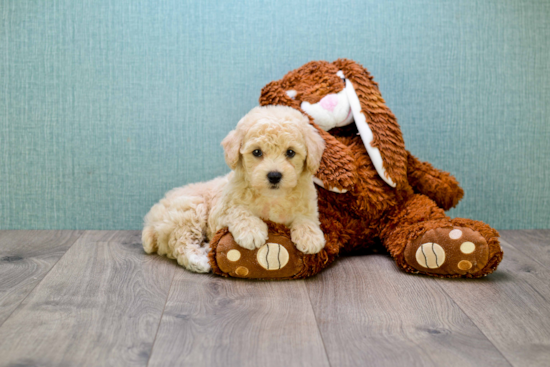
{"x": 273, "y": 147}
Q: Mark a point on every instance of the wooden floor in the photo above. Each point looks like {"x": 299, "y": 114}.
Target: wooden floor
{"x": 71, "y": 298}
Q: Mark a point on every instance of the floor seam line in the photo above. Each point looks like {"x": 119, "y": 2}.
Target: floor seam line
{"x": 41, "y": 280}
{"x": 475, "y": 324}
{"x": 316, "y": 322}
{"x": 161, "y": 316}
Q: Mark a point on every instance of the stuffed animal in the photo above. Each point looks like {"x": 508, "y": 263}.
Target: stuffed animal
{"x": 371, "y": 189}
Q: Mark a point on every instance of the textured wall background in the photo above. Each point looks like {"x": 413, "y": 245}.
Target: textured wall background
{"x": 105, "y": 105}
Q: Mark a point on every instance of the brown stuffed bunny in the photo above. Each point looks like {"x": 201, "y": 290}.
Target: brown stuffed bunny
{"x": 371, "y": 189}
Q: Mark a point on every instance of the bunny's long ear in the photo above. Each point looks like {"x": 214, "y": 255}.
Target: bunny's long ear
{"x": 377, "y": 125}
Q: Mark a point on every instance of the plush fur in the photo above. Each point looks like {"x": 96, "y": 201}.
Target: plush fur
{"x": 358, "y": 206}
{"x": 267, "y": 140}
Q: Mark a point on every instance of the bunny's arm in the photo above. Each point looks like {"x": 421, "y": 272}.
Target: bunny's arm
{"x": 440, "y": 186}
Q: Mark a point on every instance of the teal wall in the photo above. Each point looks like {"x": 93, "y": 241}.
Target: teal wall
{"x": 105, "y": 105}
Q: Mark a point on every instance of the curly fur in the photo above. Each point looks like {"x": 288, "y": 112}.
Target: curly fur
{"x": 182, "y": 223}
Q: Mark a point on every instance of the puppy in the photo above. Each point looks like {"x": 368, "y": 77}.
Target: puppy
{"x": 273, "y": 154}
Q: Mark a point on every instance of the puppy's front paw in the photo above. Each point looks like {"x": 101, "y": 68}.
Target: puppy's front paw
{"x": 250, "y": 234}
{"x": 308, "y": 238}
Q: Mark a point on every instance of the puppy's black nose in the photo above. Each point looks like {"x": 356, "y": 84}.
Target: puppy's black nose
{"x": 274, "y": 177}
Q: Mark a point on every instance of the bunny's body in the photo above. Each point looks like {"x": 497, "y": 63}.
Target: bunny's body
{"x": 371, "y": 189}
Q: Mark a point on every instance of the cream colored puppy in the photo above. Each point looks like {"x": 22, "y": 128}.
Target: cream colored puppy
{"x": 273, "y": 153}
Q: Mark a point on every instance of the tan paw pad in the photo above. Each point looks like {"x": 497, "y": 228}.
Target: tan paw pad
{"x": 272, "y": 256}
{"x": 467, "y": 247}
{"x": 430, "y": 255}
{"x": 233, "y": 255}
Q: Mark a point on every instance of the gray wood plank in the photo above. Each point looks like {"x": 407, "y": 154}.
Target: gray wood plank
{"x": 534, "y": 243}
{"x": 372, "y": 314}
{"x": 25, "y": 258}
{"x": 100, "y": 305}
{"x": 213, "y": 321}
{"x": 511, "y": 307}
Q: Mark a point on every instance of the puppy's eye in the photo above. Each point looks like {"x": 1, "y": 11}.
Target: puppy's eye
{"x": 257, "y": 153}
{"x": 290, "y": 153}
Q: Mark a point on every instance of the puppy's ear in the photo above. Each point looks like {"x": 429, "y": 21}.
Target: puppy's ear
{"x": 232, "y": 146}
{"x": 315, "y": 146}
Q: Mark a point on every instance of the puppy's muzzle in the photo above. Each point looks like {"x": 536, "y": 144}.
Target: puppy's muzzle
{"x": 274, "y": 177}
